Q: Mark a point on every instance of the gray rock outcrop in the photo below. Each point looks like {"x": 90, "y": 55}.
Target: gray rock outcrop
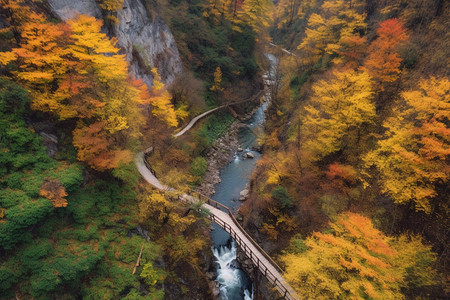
{"x": 68, "y": 9}
{"x": 146, "y": 40}
{"x": 151, "y": 39}
{"x": 243, "y": 194}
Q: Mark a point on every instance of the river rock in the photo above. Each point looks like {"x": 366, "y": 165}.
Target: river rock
{"x": 243, "y": 195}
{"x": 257, "y": 148}
{"x": 234, "y": 264}
{"x": 240, "y": 149}
{"x": 249, "y": 155}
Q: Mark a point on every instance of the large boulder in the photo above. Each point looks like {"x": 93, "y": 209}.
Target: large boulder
{"x": 249, "y": 155}
{"x": 243, "y": 195}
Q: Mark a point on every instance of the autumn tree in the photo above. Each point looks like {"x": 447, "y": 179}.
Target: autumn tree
{"x": 55, "y": 192}
{"x": 355, "y": 260}
{"x": 337, "y": 21}
{"x": 412, "y": 157}
{"x": 115, "y": 107}
{"x": 288, "y": 11}
{"x": 383, "y": 62}
{"x": 159, "y": 99}
{"x": 74, "y": 71}
{"x": 257, "y": 14}
{"x": 16, "y": 13}
{"x": 254, "y": 13}
{"x": 336, "y": 113}
{"x": 351, "y": 51}
{"x": 110, "y": 7}
{"x": 217, "y": 86}
{"x": 41, "y": 63}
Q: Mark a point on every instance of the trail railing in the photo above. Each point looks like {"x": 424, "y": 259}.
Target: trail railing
{"x": 267, "y": 271}
{"x": 263, "y": 268}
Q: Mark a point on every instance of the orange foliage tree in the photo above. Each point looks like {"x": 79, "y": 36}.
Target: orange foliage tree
{"x": 53, "y": 190}
{"x": 383, "y": 62}
{"x": 74, "y": 71}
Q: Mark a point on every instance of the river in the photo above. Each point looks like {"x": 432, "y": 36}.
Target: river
{"x": 234, "y": 284}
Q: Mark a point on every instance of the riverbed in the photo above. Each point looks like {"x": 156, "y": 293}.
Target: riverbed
{"x": 234, "y": 284}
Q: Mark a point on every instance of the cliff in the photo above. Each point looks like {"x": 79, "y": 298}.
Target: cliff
{"x": 146, "y": 40}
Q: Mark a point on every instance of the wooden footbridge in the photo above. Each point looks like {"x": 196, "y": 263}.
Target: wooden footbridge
{"x": 222, "y": 216}
{"x": 194, "y": 120}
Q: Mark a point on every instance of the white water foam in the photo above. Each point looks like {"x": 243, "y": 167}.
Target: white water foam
{"x": 228, "y": 276}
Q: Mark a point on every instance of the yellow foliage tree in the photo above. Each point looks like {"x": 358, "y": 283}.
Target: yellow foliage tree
{"x": 110, "y": 7}
{"x": 336, "y": 111}
{"x": 255, "y": 13}
{"x": 337, "y": 21}
{"x": 413, "y": 156}
{"x": 41, "y": 62}
{"x": 357, "y": 261}
{"x": 217, "y": 86}
{"x": 159, "y": 98}
{"x": 115, "y": 106}
{"x": 288, "y": 11}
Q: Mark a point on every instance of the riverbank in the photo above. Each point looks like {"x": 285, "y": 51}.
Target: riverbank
{"x": 221, "y": 153}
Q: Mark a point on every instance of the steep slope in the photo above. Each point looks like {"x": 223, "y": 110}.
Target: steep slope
{"x": 146, "y": 40}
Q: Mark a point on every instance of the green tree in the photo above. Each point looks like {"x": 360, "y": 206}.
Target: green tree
{"x": 199, "y": 166}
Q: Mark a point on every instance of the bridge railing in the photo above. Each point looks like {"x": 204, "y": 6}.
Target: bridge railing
{"x": 263, "y": 268}
{"x": 253, "y": 257}
{"x": 248, "y": 252}
{"x": 228, "y": 211}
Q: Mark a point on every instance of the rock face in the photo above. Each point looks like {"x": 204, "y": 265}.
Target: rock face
{"x": 151, "y": 39}
{"x": 67, "y": 9}
{"x": 263, "y": 289}
{"x": 146, "y": 40}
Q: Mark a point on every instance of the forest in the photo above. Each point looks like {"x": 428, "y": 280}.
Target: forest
{"x": 349, "y": 196}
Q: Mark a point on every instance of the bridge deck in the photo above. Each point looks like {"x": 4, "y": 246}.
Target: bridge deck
{"x": 223, "y": 217}
{"x": 259, "y": 260}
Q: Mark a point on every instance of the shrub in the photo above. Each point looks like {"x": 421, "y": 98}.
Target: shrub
{"x": 198, "y": 166}
{"x": 281, "y": 195}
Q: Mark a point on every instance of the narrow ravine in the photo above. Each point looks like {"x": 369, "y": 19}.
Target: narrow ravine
{"x": 234, "y": 284}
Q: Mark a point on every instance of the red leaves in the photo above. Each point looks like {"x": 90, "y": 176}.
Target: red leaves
{"x": 392, "y": 32}
{"x": 383, "y": 62}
